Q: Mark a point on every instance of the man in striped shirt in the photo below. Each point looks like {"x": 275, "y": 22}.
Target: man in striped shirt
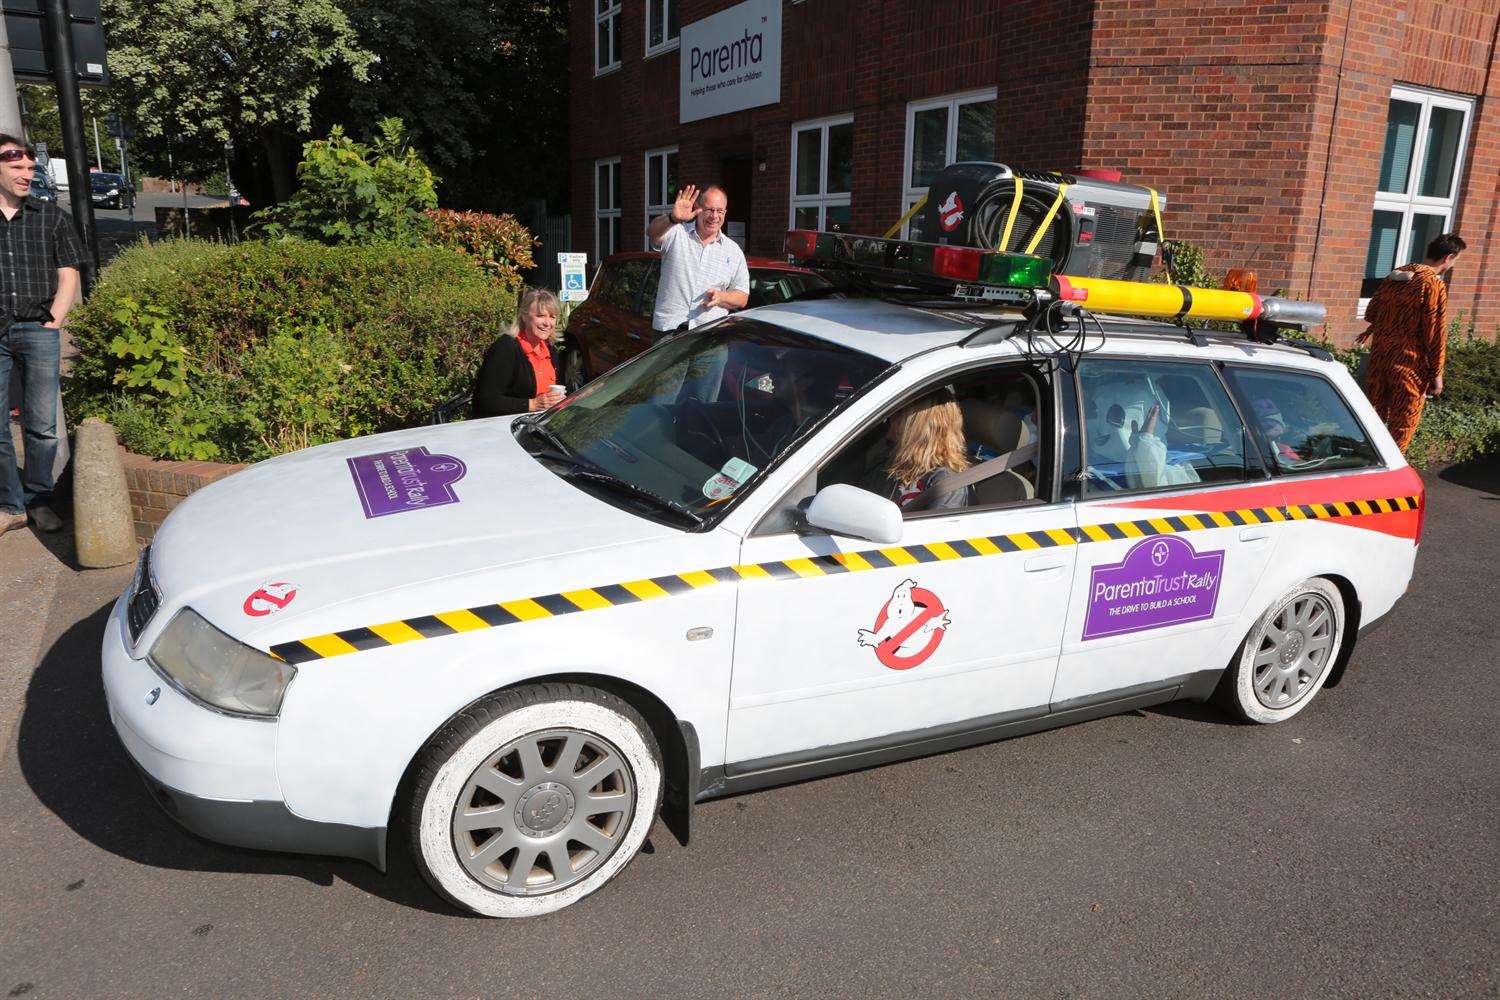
{"x": 40, "y": 257}
{"x": 703, "y": 272}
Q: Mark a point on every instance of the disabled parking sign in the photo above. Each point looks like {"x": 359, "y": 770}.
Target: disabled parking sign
{"x": 575, "y": 287}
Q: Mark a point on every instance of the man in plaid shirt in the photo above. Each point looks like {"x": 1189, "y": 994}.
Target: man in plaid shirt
{"x": 40, "y": 257}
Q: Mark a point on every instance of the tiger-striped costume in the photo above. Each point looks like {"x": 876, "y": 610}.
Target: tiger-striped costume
{"x": 1408, "y": 317}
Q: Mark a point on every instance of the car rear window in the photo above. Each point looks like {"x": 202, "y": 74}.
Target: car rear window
{"x": 769, "y": 287}
{"x": 1300, "y": 421}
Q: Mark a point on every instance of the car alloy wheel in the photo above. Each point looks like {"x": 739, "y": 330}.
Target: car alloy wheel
{"x": 534, "y": 797}
{"x": 574, "y": 375}
{"x": 1287, "y": 656}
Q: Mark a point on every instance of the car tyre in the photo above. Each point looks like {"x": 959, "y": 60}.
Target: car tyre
{"x": 533, "y": 798}
{"x": 1288, "y": 655}
{"x": 574, "y": 369}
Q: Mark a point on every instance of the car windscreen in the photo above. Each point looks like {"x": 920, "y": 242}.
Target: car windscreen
{"x": 689, "y": 423}
{"x": 105, "y": 180}
{"x": 769, "y": 287}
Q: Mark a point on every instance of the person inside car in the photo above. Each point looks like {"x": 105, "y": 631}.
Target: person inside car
{"x": 1273, "y": 427}
{"x": 519, "y": 371}
{"x": 927, "y": 449}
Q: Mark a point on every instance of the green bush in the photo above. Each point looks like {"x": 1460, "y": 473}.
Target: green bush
{"x": 351, "y": 192}
{"x": 500, "y": 244}
{"x": 209, "y": 351}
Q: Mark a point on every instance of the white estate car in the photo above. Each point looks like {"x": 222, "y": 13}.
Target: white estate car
{"x": 521, "y": 638}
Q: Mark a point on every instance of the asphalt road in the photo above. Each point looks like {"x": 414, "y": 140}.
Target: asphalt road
{"x": 1351, "y": 852}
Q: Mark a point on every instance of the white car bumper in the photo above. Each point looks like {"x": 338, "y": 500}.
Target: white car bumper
{"x": 213, "y": 773}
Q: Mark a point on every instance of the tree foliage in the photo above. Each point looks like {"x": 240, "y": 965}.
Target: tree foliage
{"x": 352, "y": 192}
{"x": 246, "y": 72}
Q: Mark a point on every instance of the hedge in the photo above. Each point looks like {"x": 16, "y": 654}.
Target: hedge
{"x": 201, "y": 350}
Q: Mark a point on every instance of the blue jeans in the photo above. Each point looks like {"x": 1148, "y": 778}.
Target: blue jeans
{"x": 35, "y": 351}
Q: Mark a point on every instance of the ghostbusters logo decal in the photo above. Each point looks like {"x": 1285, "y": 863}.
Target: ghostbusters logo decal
{"x": 909, "y": 627}
{"x": 951, "y": 212}
{"x": 269, "y": 598}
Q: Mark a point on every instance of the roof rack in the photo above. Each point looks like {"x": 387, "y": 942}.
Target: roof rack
{"x": 968, "y": 275}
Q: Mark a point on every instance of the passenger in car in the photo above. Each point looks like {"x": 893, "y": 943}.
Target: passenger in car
{"x": 927, "y": 449}
{"x": 1271, "y": 424}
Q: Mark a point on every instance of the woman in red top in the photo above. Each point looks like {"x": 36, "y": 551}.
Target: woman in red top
{"x": 519, "y": 372}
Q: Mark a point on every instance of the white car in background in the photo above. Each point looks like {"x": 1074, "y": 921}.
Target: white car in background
{"x": 522, "y": 638}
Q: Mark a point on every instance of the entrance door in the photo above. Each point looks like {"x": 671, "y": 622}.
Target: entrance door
{"x": 735, "y": 178}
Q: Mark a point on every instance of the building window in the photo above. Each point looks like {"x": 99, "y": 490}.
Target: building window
{"x": 1417, "y": 192}
{"x": 606, "y": 35}
{"x": 946, "y": 130}
{"x": 661, "y": 184}
{"x": 822, "y": 173}
{"x": 606, "y": 208}
{"x": 661, "y": 26}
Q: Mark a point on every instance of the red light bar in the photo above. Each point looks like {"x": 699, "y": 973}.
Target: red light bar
{"x": 1068, "y": 292}
{"x": 801, "y": 243}
{"x": 960, "y": 263}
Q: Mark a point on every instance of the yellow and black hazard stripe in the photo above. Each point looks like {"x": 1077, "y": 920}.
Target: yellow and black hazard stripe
{"x": 613, "y": 595}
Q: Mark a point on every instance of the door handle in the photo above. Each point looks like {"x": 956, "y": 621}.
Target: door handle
{"x": 1043, "y": 564}
{"x": 1254, "y": 535}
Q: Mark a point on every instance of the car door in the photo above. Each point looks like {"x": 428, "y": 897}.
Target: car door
{"x": 1177, "y": 523}
{"x": 840, "y": 640}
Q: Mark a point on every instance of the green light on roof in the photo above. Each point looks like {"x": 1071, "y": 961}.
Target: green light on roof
{"x": 1015, "y": 270}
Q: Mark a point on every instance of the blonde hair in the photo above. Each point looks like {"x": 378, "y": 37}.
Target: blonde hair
{"x": 929, "y": 435}
{"x": 534, "y": 297}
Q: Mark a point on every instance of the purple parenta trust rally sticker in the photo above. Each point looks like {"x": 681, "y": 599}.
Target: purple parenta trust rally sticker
{"x": 410, "y": 479}
{"x": 1161, "y": 581}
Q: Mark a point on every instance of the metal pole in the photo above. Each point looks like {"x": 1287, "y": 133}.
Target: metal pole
{"x": 10, "y": 108}
{"x": 98, "y": 156}
{"x": 70, "y": 110}
{"x": 128, "y": 182}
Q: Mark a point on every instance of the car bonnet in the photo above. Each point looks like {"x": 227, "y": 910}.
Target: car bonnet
{"x": 345, "y": 521}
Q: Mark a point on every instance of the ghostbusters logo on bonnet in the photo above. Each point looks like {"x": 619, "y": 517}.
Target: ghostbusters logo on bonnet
{"x": 909, "y": 627}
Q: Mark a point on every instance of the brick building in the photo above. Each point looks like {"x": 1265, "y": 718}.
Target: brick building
{"x": 1318, "y": 142}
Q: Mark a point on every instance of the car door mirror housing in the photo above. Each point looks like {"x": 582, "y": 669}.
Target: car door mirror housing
{"x": 843, "y": 509}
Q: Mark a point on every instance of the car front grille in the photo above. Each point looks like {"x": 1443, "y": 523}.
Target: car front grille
{"x": 144, "y": 599}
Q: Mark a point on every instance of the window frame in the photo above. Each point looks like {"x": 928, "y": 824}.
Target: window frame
{"x": 1254, "y": 459}
{"x": 910, "y": 194}
{"x": 824, "y": 199}
{"x": 602, "y": 214}
{"x": 654, "y": 208}
{"x": 1414, "y": 203}
{"x": 1268, "y": 462}
{"x": 607, "y": 11}
{"x": 672, "y": 43}
{"x": 1049, "y": 459}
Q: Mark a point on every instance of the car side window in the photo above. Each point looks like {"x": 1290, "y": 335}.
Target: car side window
{"x": 647, "y": 304}
{"x": 625, "y": 290}
{"x": 1152, "y": 425}
{"x": 1301, "y": 422}
{"x": 942, "y": 430}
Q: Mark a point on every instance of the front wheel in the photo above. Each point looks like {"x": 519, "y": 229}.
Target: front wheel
{"x": 533, "y": 798}
{"x": 574, "y": 373}
{"x": 1287, "y": 656}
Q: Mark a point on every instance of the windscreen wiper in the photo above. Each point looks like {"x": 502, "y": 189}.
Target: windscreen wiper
{"x": 580, "y": 471}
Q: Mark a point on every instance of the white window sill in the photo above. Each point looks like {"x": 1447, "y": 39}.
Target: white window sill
{"x": 671, "y": 46}
{"x": 614, "y": 68}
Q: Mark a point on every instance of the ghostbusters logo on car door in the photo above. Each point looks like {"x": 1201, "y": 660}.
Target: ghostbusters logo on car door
{"x": 909, "y": 627}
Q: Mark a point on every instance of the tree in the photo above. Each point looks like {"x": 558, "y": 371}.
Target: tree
{"x": 243, "y": 72}
{"x": 483, "y": 87}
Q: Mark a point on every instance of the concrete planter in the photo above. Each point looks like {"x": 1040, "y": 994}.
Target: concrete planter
{"x": 156, "y": 486}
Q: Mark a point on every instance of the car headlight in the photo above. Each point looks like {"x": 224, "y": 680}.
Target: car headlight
{"x": 219, "y": 671}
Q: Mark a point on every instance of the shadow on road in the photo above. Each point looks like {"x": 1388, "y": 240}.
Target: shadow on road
{"x": 76, "y": 766}
{"x": 1481, "y": 474}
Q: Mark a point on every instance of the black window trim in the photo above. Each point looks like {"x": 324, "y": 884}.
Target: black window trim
{"x": 1050, "y": 455}
{"x": 1274, "y": 471}
{"x": 1213, "y": 365}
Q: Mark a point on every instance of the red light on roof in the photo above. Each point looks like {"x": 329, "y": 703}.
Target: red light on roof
{"x": 1102, "y": 174}
{"x": 801, "y": 243}
{"x": 961, "y": 263}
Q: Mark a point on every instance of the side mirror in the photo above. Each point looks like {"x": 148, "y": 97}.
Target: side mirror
{"x": 843, "y": 509}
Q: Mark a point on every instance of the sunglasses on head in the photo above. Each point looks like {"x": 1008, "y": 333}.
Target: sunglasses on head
{"x": 13, "y": 154}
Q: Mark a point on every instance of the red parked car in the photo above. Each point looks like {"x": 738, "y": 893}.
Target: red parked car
{"x": 614, "y": 325}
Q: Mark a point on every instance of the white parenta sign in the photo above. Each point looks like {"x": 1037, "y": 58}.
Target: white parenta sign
{"x": 731, "y": 61}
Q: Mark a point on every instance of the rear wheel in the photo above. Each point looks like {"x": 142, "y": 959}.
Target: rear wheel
{"x": 533, "y": 798}
{"x": 1287, "y": 656}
